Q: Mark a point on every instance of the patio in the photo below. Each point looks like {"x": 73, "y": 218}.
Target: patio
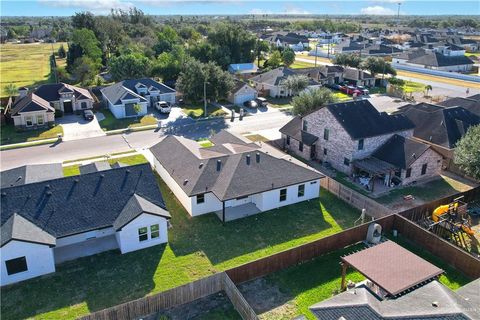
{"x": 238, "y": 212}
{"x": 375, "y": 176}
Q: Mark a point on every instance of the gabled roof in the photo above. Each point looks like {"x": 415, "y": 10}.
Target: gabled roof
{"x": 94, "y": 167}
{"x": 30, "y": 102}
{"x": 239, "y": 85}
{"x": 135, "y": 206}
{"x": 50, "y": 92}
{"x": 18, "y": 228}
{"x": 382, "y": 49}
{"x": 401, "y": 152}
{"x": 127, "y": 89}
{"x": 441, "y": 126}
{"x": 77, "y": 204}
{"x": 436, "y": 59}
{"x": 223, "y": 168}
{"x": 356, "y": 74}
{"x": 294, "y": 129}
{"x": 361, "y": 120}
{"x": 276, "y": 76}
{"x": 409, "y": 55}
{"x": 30, "y": 173}
{"x": 469, "y": 104}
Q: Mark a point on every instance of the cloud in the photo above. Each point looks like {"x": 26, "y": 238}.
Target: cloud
{"x": 103, "y": 6}
{"x": 389, "y": 1}
{"x": 260, "y": 11}
{"x": 291, "y": 9}
{"x": 170, "y": 3}
{"x": 377, "y": 10}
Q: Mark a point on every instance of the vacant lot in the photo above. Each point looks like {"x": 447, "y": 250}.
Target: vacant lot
{"x": 197, "y": 247}
{"x": 26, "y": 64}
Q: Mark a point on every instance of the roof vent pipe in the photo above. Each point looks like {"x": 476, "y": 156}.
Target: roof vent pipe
{"x": 248, "y": 159}
{"x": 219, "y": 165}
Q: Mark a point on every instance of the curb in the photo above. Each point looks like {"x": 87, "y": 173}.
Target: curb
{"x": 27, "y": 144}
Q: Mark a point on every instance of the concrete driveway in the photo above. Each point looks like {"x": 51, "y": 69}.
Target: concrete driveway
{"x": 76, "y": 127}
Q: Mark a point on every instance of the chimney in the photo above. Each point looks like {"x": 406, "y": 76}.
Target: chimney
{"x": 22, "y": 92}
{"x": 219, "y": 165}
{"x": 248, "y": 159}
{"x": 257, "y": 156}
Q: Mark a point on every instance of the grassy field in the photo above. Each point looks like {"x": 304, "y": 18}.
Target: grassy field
{"x": 9, "y": 135}
{"x": 26, "y": 64}
{"x": 74, "y": 170}
{"x": 305, "y": 285}
{"x": 112, "y": 123}
{"x": 197, "y": 247}
{"x": 411, "y": 86}
{"x": 301, "y": 64}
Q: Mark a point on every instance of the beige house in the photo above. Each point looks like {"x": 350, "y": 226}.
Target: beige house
{"x": 32, "y": 112}
{"x": 241, "y": 92}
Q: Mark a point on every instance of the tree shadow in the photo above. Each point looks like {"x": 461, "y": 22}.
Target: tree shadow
{"x": 195, "y": 129}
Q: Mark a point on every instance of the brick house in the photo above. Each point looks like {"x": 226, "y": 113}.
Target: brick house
{"x": 346, "y": 135}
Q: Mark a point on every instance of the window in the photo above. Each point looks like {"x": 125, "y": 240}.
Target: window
{"x": 84, "y": 105}
{"x": 324, "y": 151}
{"x": 408, "y": 174}
{"x": 424, "y": 169}
{"x": 154, "y": 231}
{"x": 16, "y": 265}
{"x": 300, "y": 146}
{"x": 29, "y": 121}
{"x": 360, "y": 144}
{"x": 346, "y": 161}
{"x": 398, "y": 173}
{"x": 305, "y": 125}
{"x": 313, "y": 182}
{"x": 40, "y": 120}
{"x": 143, "y": 234}
{"x": 288, "y": 140}
{"x": 283, "y": 195}
{"x": 301, "y": 190}
{"x": 200, "y": 198}
{"x": 326, "y": 133}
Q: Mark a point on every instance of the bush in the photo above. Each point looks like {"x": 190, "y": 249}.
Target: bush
{"x": 58, "y": 113}
{"x": 396, "y": 82}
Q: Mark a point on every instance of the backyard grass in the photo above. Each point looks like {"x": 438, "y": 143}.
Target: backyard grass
{"x": 26, "y": 64}
{"x": 74, "y": 170}
{"x": 197, "y": 247}
{"x": 196, "y": 111}
{"x": 112, "y": 123}
{"x": 9, "y": 135}
{"x": 306, "y": 285}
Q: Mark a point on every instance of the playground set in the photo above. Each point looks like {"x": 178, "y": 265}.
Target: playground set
{"x": 453, "y": 222}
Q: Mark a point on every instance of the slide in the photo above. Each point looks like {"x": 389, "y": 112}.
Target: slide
{"x": 441, "y": 210}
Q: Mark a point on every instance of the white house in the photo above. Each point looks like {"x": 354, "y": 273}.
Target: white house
{"x": 121, "y": 97}
{"x": 242, "y": 92}
{"x": 234, "y": 177}
{"x": 52, "y": 221}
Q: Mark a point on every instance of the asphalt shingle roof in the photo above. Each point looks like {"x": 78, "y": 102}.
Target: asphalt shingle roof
{"x": 30, "y": 173}
{"x": 276, "y": 76}
{"x": 76, "y": 204}
{"x": 223, "y": 169}
{"x": 19, "y": 228}
{"x": 435, "y": 59}
{"x": 126, "y": 89}
{"x": 94, "y": 167}
{"x": 135, "y": 206}
{"x": 361, "y": 120}
{"x": 469, "y": 104}
{"x": 400, "y": 151}
{"x": 294, "y": 129}
{"x": 31, "y": 102}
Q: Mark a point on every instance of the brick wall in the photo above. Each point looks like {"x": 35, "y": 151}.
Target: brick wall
{"x": 294, "y": 147}
{"x": 434, "y": 166}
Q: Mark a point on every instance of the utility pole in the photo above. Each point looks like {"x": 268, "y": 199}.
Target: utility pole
{"x": 398, "y": 15}
{"x": 205, "y": 99}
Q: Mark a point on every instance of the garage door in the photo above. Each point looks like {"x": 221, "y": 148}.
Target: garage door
{"x": 241, "y": 98}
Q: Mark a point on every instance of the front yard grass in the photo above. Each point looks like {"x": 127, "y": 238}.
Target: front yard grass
{"x": 74, "y": 169}
{"x": 197, "y": 248}
{"x": 112, "y": 123}
{"x": 196, "y": 110}
{"x": 285, "y": 102}
{"x": 9, "y": 135}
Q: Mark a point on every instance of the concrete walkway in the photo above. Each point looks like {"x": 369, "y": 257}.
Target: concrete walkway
{"x": 76, "y": 127}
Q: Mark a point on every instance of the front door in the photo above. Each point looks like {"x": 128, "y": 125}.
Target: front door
{"x": 67, "y": 106}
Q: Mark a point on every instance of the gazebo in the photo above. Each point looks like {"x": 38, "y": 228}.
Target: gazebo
{"x": 391, "y": 268}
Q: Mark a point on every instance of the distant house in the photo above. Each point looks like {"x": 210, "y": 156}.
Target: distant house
{"x": 438, "y": 61}
{"x": 121, "y": 97}
{"x": 271, "y": 82}
{"x": 243, "y": 69}
{"x": 290, "y": 40}
{"x": 30, "y": 174}
{"x": 468, "y": 44}
{"x": 52, "y": 221}
{"x": 234, "y": 177}
{"x": 37, "y": 109}
{"x": 358, "y": 77}
{"x": 241, "y": 92}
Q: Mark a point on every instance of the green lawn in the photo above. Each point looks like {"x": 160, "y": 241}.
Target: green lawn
{"x": 340, "y": 96}
{"x": 26, "y": 64}
{"x": 411, "y": 86}
{"x": 197, "y": 247}
{"x": 205, "y": 143}
{"x": 74, "y": 170}
{"x": 112, "y": 123}
{"x": 285, "y": 102}
{"x": 196, "y": 110}
{"x": 302, "y": 64}
{"x": 305, "y": 285}
{"x": 9, "y": 135}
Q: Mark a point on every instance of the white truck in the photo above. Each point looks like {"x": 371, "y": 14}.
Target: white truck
{"x": 163, "y": 106}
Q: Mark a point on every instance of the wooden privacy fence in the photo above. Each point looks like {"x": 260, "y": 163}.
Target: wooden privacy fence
{"x": 176, "y": 297}
{"x": 354, "y": 198}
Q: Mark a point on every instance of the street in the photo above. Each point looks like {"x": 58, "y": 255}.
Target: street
{"x": 90, "y": 147}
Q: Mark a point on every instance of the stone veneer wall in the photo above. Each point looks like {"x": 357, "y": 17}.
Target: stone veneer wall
{"x": 293, "y": 147}
{"x": 434, "y": 166}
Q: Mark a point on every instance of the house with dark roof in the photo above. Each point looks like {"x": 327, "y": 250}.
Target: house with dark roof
{"x": 30, "y": 174}
{"x": 241, "y": 92}
{"x": 122, "y": 96}
{"x": 294, "y": 41}
{"x": 271, "y": 82}
{"x": 471, "y": 104}
{"x": 51, "y": 221}
{"x": 438, "y": 61}
{"x": 234, "y": 177}
{"x": 358, "y": 77}
{"x": 341, "y": 133}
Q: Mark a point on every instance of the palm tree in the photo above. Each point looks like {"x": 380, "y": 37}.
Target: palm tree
{"x": 427, "y": 89}
{"x": 11, "y": 90}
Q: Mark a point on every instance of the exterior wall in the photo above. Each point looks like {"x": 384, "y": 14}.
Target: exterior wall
{"x": 81, "y": 237}
{"x": 458, "y": 68}
{"x": 271, "y": 199}
{"x": 20, "y": 120}
{"x": 211, "y": 204}
{"x": 39, "y": 258}
{"x": 293, "y": 147}
{"x": 434, "y": 166}
{"x": 118, "y": 110}
{"x": 77, "y": 105}
{"x": 127, "y": 237}
{"x": 244, "y": 94}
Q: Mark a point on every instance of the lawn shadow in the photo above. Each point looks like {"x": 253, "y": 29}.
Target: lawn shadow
{"x": 101, "y": 280}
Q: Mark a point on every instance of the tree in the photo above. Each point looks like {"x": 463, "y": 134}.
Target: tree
{"x": 129, "y": 66}
{"x": 261, "y": 47}
{"x": 83, "y": 20}
{"x": 467, "y": 152}
{"x": 61, "y": 52}
{"x": 84, "y": 43}
{"x": 137, "y": 107}
{"x": 85, "y": 70}
{"x": 166, "y": 38}
{"x": 427, "y": 89}
{"x": 377, "y": 65}
{"x": 347, "y": 60}
{"x": 274, "y": 60}
{"x": 11, "y": 90}
{"x": 296, "y": 83}
{"x": 310, "y": 100}
{"x": 169, "y": 64}
{"x": 288, "y": 57}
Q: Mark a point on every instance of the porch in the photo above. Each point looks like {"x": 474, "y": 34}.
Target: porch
{"x": 375, "y": 176}
{"x": 238, "y": 212}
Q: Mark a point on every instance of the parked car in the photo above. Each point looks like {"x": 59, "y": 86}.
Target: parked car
{"x": 333, "y": 86}
{"x": 88, "y": 115}
{"x": 262, "y": 102}
{"x": 163, "y": 106}
{"x": 250, "y": 104}
{"x": 351, "y": 90}
{"x": 363, "y": 90}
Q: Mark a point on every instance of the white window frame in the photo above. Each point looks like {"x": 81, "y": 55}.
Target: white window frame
{"x": 40, "y": 119}
{"x": 26, "y": 121}
{"x": 141, "y": 234}
{"x": 154, "y": 234}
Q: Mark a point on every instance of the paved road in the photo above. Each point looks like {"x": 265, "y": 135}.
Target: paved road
{"x": 71, "y": 150}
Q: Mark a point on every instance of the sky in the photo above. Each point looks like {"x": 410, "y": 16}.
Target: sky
{"x": 234, "y": 7}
